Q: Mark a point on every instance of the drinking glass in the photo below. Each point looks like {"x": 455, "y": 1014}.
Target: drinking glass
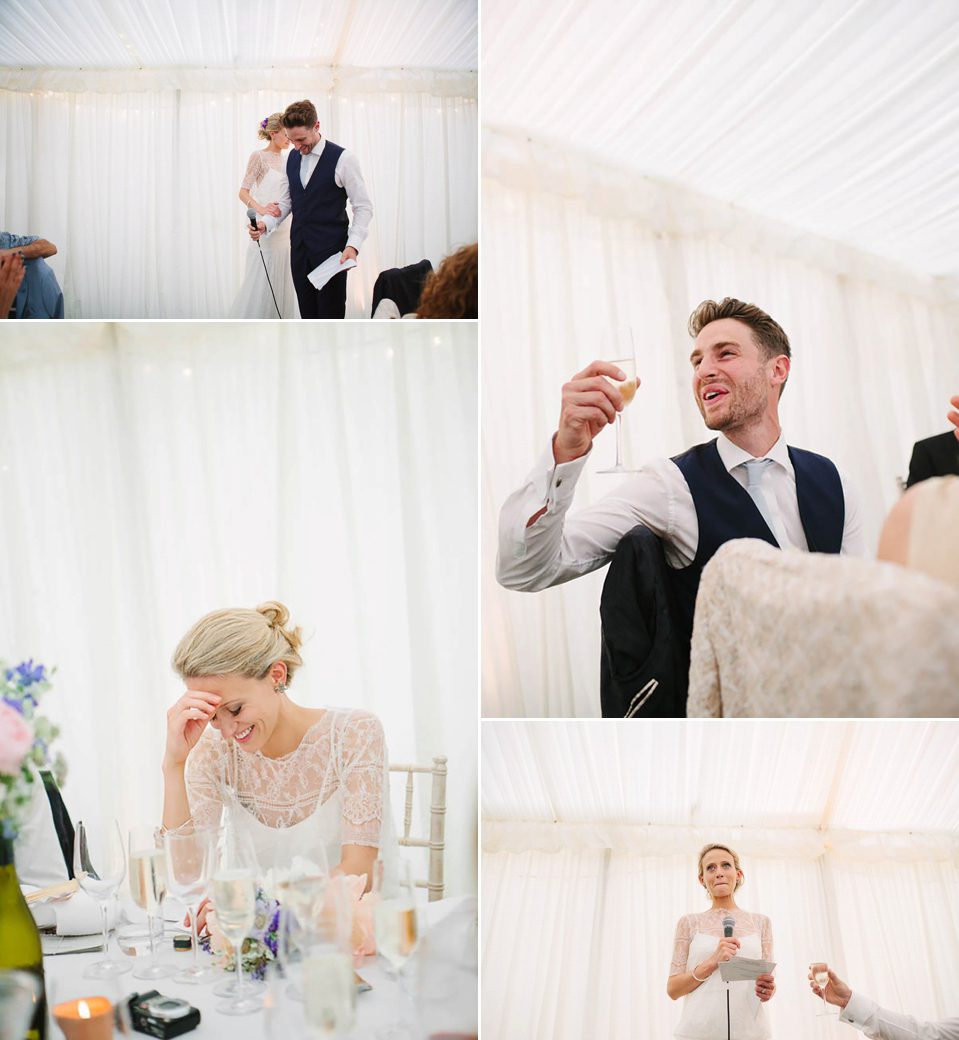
{"x": 395, "y": 926}
{"x": 189, "y": 860}
{"x": 99, "y": 865}
{"x": 19, "y": 991}
{"x": 148, "y": 887}
{"x": 234, "y": 902}
{"x": 329, "y": 989}
{"x": 618, "y": 340}
{"x": 820, "y": 975}
{"x": 302, "y": 901}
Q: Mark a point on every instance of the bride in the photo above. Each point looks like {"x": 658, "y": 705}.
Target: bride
{"x": 292, "y": 778}
{"x": 259, "y": 190}
{"x": 700, "y": 946}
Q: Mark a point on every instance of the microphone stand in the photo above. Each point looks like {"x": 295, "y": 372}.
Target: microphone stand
{"x": 263, "y": 261}
{"x": 727, "y": 1012}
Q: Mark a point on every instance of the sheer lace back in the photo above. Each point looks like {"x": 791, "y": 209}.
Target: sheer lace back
{"x": 710, "y": 922}
{"x": 261, "y": 162}
{"x": 343, "y": 751}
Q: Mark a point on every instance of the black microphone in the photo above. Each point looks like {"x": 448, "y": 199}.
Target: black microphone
{"x": 728, "y": 923}
{"x": 251, "y": 213}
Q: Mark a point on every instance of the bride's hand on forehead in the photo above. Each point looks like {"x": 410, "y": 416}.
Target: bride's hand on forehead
{"x": 186, "y": 721}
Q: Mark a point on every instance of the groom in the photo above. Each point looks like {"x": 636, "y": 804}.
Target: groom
{"x": 320, "y": 177}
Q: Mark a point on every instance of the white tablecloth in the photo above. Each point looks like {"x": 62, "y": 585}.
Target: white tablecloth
{"x": 376, "y": 1010}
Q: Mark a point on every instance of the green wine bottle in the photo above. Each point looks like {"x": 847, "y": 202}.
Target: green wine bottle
{"x": 19, "y": 939}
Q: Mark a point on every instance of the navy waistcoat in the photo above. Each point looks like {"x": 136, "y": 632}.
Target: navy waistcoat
{"x": 320, "y": 222}
{"x": 725, "y": 510}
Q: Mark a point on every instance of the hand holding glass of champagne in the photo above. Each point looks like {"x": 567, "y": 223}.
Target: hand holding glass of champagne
{"x": 148, "y": 888}
{"x": 621, "y": 353}
{"x": 820, "y": 975}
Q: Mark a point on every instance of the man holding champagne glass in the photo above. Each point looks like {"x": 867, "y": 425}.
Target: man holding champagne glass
{"x": 745, "y": 483}
{"x": 875, "y": 1021}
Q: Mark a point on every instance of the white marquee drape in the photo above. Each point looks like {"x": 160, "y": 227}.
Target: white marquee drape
{"x": 150, "y": 473}
{"x": 127, "y": 129}
{"x": 848, "y": 833}
{"x": 874, "y": 364}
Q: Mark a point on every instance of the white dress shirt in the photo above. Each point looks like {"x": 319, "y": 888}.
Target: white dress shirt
{"x": 346, "y": 175}
{"x": 555, "y": 548}
{"x": 877, "y": 1022}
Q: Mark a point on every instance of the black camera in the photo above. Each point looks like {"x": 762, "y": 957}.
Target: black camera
{"x": 156, "y": 1015}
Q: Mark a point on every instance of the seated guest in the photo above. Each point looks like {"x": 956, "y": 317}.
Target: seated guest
{"x": 921, "y": 531}
{"x": 877, "y": 1022}
{"x": 450, "y": 292}
{"x": 39, "y": 296}
{"x": 11, "y": 276}
{"x": 397, "y": 290}
{"x": 795, "y": 635}
{"x": 936, "y": 456}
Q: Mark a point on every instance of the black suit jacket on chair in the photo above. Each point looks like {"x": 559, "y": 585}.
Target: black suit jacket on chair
{"x": 936, "y": 456}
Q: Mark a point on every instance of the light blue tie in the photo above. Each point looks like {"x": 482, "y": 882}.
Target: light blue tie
{"x": 754, "y": 473}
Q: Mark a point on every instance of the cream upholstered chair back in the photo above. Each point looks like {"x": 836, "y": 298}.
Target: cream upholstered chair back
{"x": 436, "y": 842}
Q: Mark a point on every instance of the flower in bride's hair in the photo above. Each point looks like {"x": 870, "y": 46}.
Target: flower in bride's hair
{"x": 263, "y": 124}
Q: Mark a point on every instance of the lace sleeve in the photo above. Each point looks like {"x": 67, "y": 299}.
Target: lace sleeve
{"x": 362, "y": 770}
{"x": 685, "y": 930}
{"x": 766, "y": 937}
{"x": 255, "y": 170}
{"x": 203, "y": 775}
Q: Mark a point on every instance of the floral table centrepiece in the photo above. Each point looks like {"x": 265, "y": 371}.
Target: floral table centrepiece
{"x": 20, "y": 691}
{"x": 259, "y": 949}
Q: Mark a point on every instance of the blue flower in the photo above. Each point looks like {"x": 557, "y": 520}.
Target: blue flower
{"x": 27, "y": 673}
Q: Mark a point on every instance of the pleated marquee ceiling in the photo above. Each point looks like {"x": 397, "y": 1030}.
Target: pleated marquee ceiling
{"x": 163, "y": 34}
{"x": 839, "y": 117}
{"x": 866, "y": 775}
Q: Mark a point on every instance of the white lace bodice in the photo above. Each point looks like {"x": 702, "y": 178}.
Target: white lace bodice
{"x": 261, "y": 162}
{"x": 704, "y": 1010}
{"x": 342, "y": 754}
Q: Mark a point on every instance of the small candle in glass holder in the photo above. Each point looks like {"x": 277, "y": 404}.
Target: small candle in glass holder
{"x": 90, "y": 1018}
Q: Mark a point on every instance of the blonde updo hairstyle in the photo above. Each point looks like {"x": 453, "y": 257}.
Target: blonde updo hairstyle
{"x": 240, "y": 642}
{"x": 725, "y": 848}
{"x": 270, "y": 125}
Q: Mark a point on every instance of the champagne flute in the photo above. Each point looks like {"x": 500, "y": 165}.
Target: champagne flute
{"x": 395, "y": 926}
{"x": 148, "y": 887}
{"x": 329, "y": 990}
{"x": 620, "y": 341}
{"x": 820, "y": 975}
{"x": 99, "y": 865}
{"x": 234, "y": 901}
{"x": 189, "y": 859}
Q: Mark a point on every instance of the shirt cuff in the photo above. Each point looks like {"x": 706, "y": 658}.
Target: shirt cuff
{"x": 857, "y": 1011}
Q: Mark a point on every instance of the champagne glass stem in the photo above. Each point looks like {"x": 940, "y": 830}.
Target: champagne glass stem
{"x": 153, "y": 948}
{"x": 106, "y": 928}
{"x": 619, "y": 439}
{"x": 825, "y": 1006}
{"x": 194, "y": 938}
{"x": 239, "y": 968}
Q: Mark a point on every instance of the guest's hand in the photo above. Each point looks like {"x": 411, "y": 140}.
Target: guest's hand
{"x": 185, "y": 722}
{"x": 11, "y": 275}
{"x": 765, "y": 987}
{"x": 201, "y": 912}
{"x": 953, "y": 416}
{"x": 590, "y": 402}
{"x": 260, "y": 228}
{"x": 726, "y": 949}
{"x": 272, "y": 210}
{"x": 837, "y": 992}
{"x": 348, "y": 254}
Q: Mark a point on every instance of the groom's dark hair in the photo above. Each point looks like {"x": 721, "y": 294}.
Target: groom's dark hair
{"x": 300, "y": 113}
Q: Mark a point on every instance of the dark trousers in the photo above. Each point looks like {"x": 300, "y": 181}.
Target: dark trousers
{"x": 328, "y": 302}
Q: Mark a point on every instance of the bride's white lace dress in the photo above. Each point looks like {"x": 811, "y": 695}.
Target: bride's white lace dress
{"x": 704, "y": 1010}
{"x": 262, "y": 179}
{"x": 332, "y": 790}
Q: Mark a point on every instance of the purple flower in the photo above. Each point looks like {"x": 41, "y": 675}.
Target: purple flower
{"x": 27, "y": 673}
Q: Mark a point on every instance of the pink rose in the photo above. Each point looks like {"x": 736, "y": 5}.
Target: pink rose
{"x": 362, "y": 904}
{"x": 16, "y": 736}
